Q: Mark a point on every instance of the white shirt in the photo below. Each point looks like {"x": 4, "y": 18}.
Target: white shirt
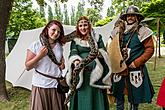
{"x": 46, "y": 66}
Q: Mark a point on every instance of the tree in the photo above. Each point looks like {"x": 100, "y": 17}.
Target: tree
{"x": 42, "y": 11}
{"x": 5, "y": 8}
{"x": 154, "y": 9}
{"x": 80, "y": 10}
{"x": 73, "y": 16}
{"x": 151, "y": 9}
{"x": 58, "y": 14}
{"x": 140, "y": 3}
{"x": 66, "y": 17}
{"x": 20, "y": 20}
{"x": 93, "y": 15}
{"x": 94, "y": 12}
{"x": 110, "y": 11}
{"x": 121, "y": 5}
{"x": 103, "y": 21}
{"x": 96, "y": 4}
{"x": 50, "y": 14}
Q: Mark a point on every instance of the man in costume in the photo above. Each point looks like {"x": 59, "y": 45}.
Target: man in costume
{"x": 134, "y": 45}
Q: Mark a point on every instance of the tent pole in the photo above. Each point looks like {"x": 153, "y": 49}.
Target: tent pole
{"x": 158, "y": 34}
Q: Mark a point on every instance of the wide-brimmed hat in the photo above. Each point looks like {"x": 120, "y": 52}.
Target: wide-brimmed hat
{"x": 132, "y": 10}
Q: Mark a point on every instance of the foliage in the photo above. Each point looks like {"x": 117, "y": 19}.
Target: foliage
{"x": 73, "y": 16}
{"x": 42, "y": 2}
{"x": 94, "y": 12}
{"x": 93, "y": 15}
{"x": 58, "y": 13}
{"x": 118, "y": 5}
{"x": 42, "y": 11}
{"x": 23, "y": 18}
{"x": 151, "y": 10}
{"x": 110, "y": 11}
{"x": 66, "y": 16}
{"x": 50, "y": 13}
{"x": 80, "y": 10}
{"x": 103, "y": 21}
{"x": 121, "y": 5}
{"x": 96, "y": 4}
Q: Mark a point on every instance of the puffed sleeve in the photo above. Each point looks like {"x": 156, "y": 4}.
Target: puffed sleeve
{"x": 148, "y": 52}
{"x": 34, "y": 47}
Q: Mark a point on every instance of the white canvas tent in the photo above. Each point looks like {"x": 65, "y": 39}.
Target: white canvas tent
{"x": 15, "y": 61}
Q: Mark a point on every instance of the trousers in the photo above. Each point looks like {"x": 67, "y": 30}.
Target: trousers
{"x": 120, "y": 104}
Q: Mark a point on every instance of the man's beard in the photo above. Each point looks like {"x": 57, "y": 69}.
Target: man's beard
{"x": 131, "y": 22}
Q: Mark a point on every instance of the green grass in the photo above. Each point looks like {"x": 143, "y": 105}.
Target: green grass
{"x": 19, "y": 97}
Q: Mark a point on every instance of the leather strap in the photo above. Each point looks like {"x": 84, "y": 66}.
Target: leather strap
{"x": 52, "y": 77}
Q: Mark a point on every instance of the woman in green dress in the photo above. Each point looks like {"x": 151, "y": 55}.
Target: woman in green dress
{"x": 93, "y": 78}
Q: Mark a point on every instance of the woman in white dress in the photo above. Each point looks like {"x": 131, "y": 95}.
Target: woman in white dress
{"x": 46, "y": 57}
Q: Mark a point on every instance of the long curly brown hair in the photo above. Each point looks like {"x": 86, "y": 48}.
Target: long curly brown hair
{"x": 45, "y": 30}
{"x": 77, "y": 30}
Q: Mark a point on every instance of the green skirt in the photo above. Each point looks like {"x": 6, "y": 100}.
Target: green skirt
{"x": 88, "y": 97}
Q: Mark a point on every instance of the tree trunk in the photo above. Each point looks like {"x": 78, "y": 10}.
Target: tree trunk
{"x": 5, "y": 8}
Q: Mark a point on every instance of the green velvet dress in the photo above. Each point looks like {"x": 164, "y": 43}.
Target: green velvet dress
{"x": 87, "y": 97}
